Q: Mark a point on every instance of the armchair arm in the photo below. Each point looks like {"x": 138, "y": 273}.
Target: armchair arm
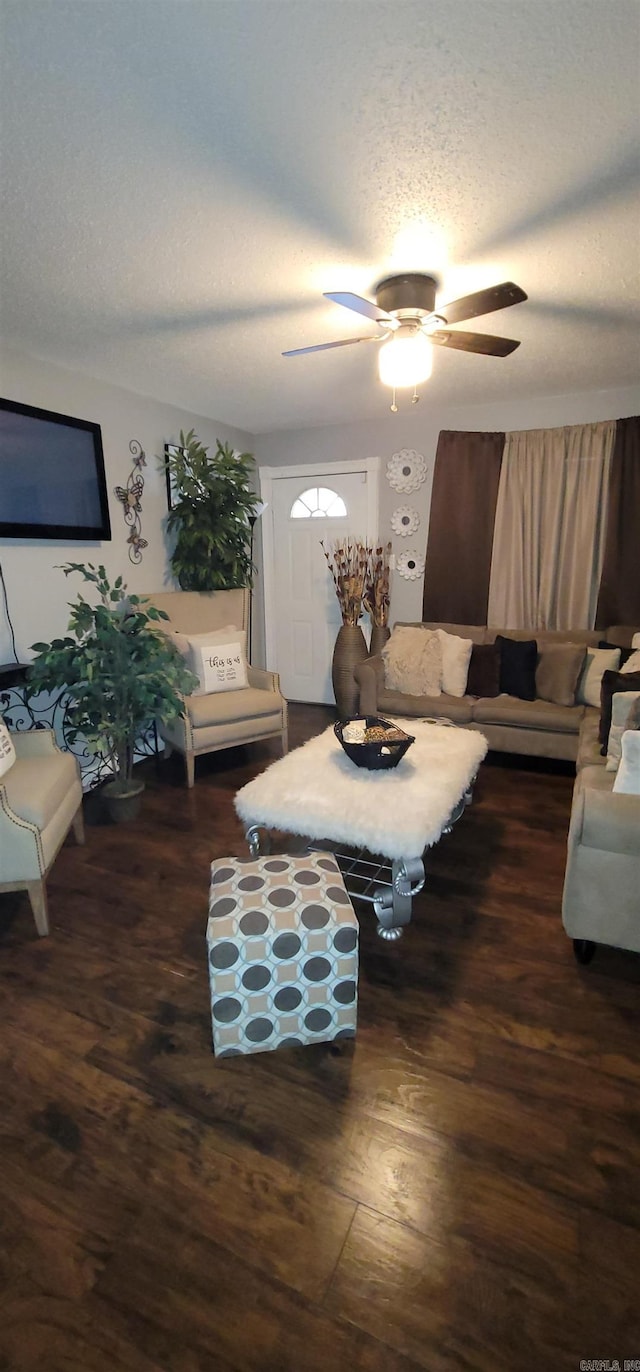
{"x": 35, "y": 743}
{"x": 263, "y": 680}
{"x": 370, "y": 678}
{"x": 611, "y": 822}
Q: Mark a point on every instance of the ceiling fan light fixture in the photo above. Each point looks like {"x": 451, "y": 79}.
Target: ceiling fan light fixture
{"x": 407, "y": 358}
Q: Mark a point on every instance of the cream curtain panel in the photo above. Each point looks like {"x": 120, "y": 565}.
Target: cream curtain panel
{"x": 551, "y": 519}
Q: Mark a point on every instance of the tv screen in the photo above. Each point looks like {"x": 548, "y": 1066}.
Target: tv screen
{"x": 52, "y": 481}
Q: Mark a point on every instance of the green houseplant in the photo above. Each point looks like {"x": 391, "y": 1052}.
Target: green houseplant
{"x": 120, "y": 672}
{"x": 213, "y": 502}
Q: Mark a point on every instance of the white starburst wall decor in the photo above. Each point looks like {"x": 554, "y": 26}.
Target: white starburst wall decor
{"x": 410, "y": 565}
{"x": 404, "y": 521}
{"x": 406, "y": 470}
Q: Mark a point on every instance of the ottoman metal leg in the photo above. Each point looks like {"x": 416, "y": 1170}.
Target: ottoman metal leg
{"x": 255, "y": 844}
{"x": 393, "y": 904}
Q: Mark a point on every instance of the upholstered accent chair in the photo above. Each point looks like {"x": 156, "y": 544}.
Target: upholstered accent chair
{"x": 226, "y": 718}
{"x": 40, "y": 801}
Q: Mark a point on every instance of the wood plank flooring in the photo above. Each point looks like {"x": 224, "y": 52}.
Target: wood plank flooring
{"x": 457, "y": 1191}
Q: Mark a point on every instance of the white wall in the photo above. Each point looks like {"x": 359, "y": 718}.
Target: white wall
{"x": 38, "y": 593}
{"x": 418, "y": 427}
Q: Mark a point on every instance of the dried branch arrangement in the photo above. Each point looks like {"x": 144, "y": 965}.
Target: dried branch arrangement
{"x": 348, "y": 560}
{"x": 376, "y": 591}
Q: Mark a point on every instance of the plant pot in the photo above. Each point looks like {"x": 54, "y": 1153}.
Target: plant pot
{"x": 379, "y": 635}
{"x": 122, "y": 800}
{"x": 350, "y": 648}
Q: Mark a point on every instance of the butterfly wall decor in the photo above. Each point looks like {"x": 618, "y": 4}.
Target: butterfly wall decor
{"x": 130, "y": 497}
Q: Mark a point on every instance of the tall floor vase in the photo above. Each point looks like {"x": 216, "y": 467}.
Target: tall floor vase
{"x": 379, "y": 636}
{"x": 350, "y": 648}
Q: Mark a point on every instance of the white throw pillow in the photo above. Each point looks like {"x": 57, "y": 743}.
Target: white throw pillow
{"x": 218, "y": 659}
{"x": 456, "y": 655}
{"x": 620, "y": 710}
{"x": 7, "y": 750}
{"x": 632, "y": 663}
{"x": 597, "y": 661}
{"x": 627, "y": 780}
{"x": 412, "y": 659}
{"x": 635, "y": 642}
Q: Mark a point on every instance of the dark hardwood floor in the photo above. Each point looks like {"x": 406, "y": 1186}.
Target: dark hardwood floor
{"x": 457, "y": 1190}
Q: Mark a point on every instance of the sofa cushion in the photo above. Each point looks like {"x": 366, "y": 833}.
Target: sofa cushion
{"x": 518, "y": 658}
{"x": 627, "y": 780}
{"x": 412, "y": 659}
{"x": 589, "y": 754}
{"x": 529, "y": 714}
{"x": 597, "y": 661}
{"x": 611, "y": 683}
{"x": 625, "y": 653}
{"x": 557, "y": 672}
{"x": 621, "y": 711}
{"x": 224, "y": 707}
{"x": 439, "y": 707}
{"x": 37, "y": 786}
{"x": 483, "y": 678}
{"x": 456, "y": 652}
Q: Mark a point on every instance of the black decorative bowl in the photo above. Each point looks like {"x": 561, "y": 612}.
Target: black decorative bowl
{"x": 379, "y": 754}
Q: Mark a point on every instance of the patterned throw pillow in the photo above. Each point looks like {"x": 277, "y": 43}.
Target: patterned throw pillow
{"x": 412, "y": 659}
{"x": 7, "y": 750}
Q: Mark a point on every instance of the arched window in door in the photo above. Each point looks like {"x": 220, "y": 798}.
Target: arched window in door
{"x": 319, "y": 503}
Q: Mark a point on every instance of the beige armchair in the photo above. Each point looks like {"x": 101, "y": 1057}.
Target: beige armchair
{"x": 40, "y": 800}
{"x": 220, "y": 720}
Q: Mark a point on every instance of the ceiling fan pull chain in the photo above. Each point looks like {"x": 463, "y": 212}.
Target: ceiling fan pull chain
{"x": 394, "y": 407}
{"x": 415, "y": 397}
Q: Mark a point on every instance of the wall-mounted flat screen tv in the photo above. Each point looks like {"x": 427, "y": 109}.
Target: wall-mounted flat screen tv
{"x": 52, "y": 481}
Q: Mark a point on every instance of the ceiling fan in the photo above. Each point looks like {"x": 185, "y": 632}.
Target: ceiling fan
{"x": 404, "y": 309}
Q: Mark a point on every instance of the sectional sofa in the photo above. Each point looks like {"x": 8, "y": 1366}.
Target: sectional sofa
{"x": 601, "y": 900}
{"x": 536, "y": 728}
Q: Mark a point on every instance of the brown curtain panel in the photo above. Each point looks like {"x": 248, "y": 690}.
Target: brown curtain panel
{"x": 619, "y": 596}
{"x": 463, "y": 511}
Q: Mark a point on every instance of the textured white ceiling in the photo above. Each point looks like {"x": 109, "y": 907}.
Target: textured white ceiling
{"x": 184, "y": 178}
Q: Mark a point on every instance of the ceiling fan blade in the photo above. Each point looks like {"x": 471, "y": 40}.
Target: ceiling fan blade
{"x": 359, "y": 304}
{"x": 342, "y": 343}
{"x": 483, "y": 302}
{"x": 487, "y": 343}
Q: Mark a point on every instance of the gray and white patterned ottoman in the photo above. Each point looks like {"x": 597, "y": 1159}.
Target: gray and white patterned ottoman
{"x": 282, "y": 945}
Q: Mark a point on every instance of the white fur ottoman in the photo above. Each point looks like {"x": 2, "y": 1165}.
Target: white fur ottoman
{"x": 282, "y": 946}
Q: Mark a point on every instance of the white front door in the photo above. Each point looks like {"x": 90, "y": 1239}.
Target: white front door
{"x": 301, "y": 607}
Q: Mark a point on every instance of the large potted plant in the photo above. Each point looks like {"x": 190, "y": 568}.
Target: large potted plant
{"x": 212, "y": 506}
{"x": 119, "y": 671}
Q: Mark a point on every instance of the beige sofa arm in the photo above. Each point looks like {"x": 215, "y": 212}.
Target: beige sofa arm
{"x": 370, "y": 678}
{"x": 35, "y": 743}
{"x": 607, "y": 821}
{"x": 263, "y": 680}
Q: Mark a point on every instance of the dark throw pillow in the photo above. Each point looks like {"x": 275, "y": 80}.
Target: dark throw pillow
{"x": 518, "y": 661}
{"x": 483, "y": 678}
{"x": 625, "y": 653}
{"x": 612, "y": 682}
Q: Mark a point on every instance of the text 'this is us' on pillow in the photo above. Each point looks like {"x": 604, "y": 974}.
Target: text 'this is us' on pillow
{"x": 217, "y": 658}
